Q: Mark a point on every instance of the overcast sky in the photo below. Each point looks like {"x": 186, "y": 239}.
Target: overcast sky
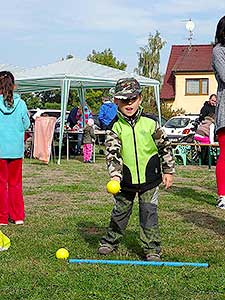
{"x": 38, "y": 32}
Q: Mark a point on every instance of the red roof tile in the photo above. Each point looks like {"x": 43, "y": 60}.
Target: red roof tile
{"x": 196, "y": 59}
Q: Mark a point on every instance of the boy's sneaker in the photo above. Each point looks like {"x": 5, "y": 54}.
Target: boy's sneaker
{"x": 221, "y": 202}
{"x": 153, "y": 257}
{"x": 105, "y": 250}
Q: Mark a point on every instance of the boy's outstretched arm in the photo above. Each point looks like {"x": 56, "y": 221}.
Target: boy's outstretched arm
{"x": 113, "y": 158}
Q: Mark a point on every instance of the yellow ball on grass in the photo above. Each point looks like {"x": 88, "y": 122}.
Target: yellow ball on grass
{"x": 62, "y": 253}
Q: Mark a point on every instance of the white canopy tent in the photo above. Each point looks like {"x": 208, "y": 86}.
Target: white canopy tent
{"x": 11, "y": 68}
{"x": 79, "y": 74}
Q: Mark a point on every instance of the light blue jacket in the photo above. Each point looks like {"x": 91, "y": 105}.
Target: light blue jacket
{"x": 13, "y": 123}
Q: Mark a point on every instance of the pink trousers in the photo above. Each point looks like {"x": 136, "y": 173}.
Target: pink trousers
{"x": 220, "y": 166}
{"x": 87, "y": 150}
{"x": 11, "y": 195}
{"x": 202, "y": 139}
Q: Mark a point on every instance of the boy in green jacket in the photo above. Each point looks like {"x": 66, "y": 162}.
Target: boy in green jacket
{"x": 136, "y": 151}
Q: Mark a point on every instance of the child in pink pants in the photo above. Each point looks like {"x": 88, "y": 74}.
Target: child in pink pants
{"x": 88, "y": 137}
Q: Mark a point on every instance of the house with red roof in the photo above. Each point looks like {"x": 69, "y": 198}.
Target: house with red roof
{"x": 189, "y": 78}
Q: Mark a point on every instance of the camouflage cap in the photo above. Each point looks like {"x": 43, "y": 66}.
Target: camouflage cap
{"x": 127, "y": 88}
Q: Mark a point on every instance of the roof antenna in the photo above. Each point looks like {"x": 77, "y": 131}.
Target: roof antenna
{"x": 190, "y": 25}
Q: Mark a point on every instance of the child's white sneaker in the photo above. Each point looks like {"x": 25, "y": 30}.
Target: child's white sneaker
{"x": 19, "y": 222}
{"x": 221, "y": 202}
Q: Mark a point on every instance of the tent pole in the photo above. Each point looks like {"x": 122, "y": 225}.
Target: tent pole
{"x": 65, "y": 88}
{"x": 82, "y": 100}
{"x": 157, "y": 99}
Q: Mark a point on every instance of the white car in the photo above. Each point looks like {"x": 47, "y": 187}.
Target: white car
{"x": 180, "y": 126}
{"x": 50, "y": 112}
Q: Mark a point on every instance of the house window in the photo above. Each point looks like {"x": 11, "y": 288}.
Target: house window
{"x": 197, "y": 86}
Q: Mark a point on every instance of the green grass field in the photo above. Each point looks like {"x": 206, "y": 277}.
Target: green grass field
{"x": 67, "y": 206}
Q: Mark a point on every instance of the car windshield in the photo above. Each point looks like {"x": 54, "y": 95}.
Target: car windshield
{"x": 177, "y": 123}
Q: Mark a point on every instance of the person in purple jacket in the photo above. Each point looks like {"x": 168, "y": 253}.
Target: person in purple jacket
{"x": 14, "y": 120}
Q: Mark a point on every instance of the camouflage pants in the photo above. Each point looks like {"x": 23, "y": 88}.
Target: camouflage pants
{"x": 148, "y": 218}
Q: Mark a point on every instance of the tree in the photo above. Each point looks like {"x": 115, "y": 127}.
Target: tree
{"x": 168, "y": 112}
{"x": 149, "y": 66}
{"x": 32, "y": 100}
{"x": 69, "y": 56}
{"x": 106, "y": 58}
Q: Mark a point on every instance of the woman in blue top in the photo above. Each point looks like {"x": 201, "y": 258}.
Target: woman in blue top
{"x": 14, "y": 120}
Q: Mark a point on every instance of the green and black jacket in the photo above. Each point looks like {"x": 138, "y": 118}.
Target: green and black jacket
{"x": 136, "y": 151}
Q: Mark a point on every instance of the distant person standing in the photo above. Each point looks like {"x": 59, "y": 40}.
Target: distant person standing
{"x": 88, "y": 137}
{"x": 205, "y": 134}
{"x": 205, "y": 131}
{"x": 72, "y": 118}
{"x": 218, "y": 63}
{"x": 208, "y": 107}
{"x": 14, "y": 120}
{"x": 83, "y": 115}
{"x": 107, "y": 113}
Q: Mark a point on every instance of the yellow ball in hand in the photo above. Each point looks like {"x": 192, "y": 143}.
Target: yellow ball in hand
{"x": 62, "y": 253}
{"x": 113, "y": 187}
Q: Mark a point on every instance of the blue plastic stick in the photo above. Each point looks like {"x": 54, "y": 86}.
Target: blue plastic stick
{"x": 139, "y": 263}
